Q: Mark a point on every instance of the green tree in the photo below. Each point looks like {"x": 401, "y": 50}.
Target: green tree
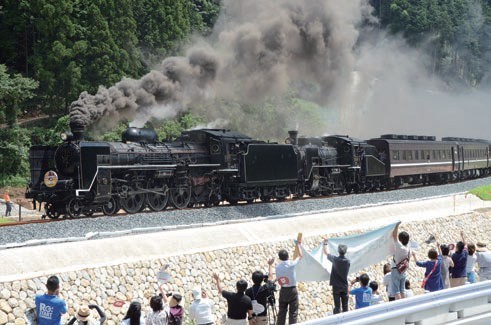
{"x": 14, "y": 91}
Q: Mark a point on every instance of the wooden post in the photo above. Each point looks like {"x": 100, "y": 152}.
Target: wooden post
{"x": 299, "y": 238}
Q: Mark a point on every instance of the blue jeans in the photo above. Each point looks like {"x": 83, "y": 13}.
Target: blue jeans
{"x": 471, "y": 277}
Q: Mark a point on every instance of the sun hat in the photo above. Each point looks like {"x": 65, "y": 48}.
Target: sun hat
{"x": 83, "y": 313}
{"x": 196, "y": 293}
{"x": 481, "y": 247}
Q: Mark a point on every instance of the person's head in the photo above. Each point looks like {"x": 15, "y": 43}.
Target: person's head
{"x": 342, "y": 249}
{"x": 283, "y": 255}
{"x": 241, "y": 286}
{"x": 156, "y": 303}
{"x": 257, "y": 277}
{"x": 53, "y": 284}
{"x": 387, "y": 268}
{"x": 445, "y": 249}
{"x": 364, "y": 279}
{"x": 197, "y": 293}
{"x": 374, "y": 286}
{"x": 471, "y": 248}
{"x": 407, "y": 285}
{"x": 83, "y": 314}
{"x": 134, "y": 313}
{"x": 432, "y": 254}
{"x": 460, "y": 246}
{"x": 175, "y": 300}
{"x": 404, "y": 238}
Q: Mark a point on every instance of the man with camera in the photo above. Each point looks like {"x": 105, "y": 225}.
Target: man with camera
{"x": 339, "y": 277}
{"x": 287, "y": 278}
{"x": 259, "y": 295}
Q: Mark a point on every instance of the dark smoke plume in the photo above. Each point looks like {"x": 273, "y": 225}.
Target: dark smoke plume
{"x": 180, "y": 82}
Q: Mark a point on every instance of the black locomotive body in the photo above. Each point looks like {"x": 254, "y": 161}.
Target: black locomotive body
{"x": 208, "y": 166}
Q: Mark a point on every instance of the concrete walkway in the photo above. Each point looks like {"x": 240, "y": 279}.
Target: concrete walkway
{"x": 26, "y": 262}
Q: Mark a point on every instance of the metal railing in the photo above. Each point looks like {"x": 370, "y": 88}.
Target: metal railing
{"x": 418, "y": 308}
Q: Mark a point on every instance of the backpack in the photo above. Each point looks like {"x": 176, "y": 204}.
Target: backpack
{"x": 175, "y": 315}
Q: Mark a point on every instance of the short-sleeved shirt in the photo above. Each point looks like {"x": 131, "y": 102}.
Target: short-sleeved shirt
{"x": 460, "y": 262}
{"x": 471, "y": 261}
{"x": 260, "y": 294}
{"x": 401, "y": 252}
{"x": 386, "y": 281}
{"x": 201, "y": 311}
{"x": 286, "y": 273}
{"x": 157, "y": 317}
{"x": 238, "y": 304}
{"x": 339, "y": 271}
{"x": 484, "y": 263}
{"x": 49, "y": 309}
{"x": 376, "y": 299}
{"x": 363, "y": 296}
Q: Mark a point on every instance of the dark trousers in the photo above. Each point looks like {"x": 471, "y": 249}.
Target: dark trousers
{"x": 288, "y": 302}
{"x": 340, "y": 299}
{"x": 8, "y": 209}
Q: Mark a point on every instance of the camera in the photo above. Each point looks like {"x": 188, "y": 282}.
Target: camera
{"x": 169, "y": 294}
{"x": 357, "y": 279}
{"x": 270, "y": 285}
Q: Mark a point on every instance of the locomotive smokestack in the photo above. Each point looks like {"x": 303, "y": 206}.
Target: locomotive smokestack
{"x": 293, "y": 135}
{"x": 78, "y": 131}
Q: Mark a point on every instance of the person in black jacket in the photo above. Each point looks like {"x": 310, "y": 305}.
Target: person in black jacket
{"x": 239, "y": 305}
{"x": 259, "y": 297}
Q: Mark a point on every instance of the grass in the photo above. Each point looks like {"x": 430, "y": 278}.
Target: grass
{"x": 483, "y": 192}
{"x": 4, "y": 220}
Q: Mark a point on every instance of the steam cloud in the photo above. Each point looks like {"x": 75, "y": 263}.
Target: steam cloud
{"x": 327, "y": 50}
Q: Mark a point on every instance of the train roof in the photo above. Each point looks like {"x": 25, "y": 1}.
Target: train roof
{"x": 217, "y": 133}
{"x": 394, "y": 138}
{"x": 345, "y": 138}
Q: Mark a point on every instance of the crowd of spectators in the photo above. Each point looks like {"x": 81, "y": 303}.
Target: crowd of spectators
{"x": 446, "y": 266}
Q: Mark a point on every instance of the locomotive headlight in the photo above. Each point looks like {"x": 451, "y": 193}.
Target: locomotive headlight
{"x": 64, "y": 136}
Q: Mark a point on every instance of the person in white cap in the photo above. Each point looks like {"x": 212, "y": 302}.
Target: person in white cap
{"x": 201, "y": 310}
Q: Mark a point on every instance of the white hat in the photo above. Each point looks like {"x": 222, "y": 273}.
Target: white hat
{"x": 196, "y": 293}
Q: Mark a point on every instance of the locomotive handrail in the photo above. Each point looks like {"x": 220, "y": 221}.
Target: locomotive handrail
{"x": 77, "y": 192}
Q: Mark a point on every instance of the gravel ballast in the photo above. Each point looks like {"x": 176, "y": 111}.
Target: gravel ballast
{"x": 87, "y": 227}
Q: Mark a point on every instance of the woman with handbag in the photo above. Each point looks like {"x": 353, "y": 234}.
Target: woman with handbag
{"x": 433, "y": 275}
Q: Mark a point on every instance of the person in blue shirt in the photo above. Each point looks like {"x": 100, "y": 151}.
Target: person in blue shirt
{"x": 363, "y": 294}
{"x": 49, "y": 306}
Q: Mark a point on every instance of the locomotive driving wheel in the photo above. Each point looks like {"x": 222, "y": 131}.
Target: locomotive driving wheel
{"x": 181, "y": 196}
{"x": 157, "y": 201}
{"x": 51, "y": 211}
{"x": 74, "y": 207}
{"x": 133, "y": 203}
{"x": 111, "y": 207}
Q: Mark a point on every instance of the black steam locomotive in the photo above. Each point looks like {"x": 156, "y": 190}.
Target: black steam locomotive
{"x": 208, "y": 166}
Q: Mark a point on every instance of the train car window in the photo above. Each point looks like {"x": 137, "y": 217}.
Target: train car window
{"x": 410, "y": 155}
{"x": 422, "y": 155}
{"x": 404, "y": 154}
{"x": 395, "y": 154}
{"x": 434, "y": 154}
{"x": 416, "y": 155}
{"x": 444, "y": 155}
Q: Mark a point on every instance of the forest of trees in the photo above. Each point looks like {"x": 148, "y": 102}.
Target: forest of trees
{"x": 52, "y": 50}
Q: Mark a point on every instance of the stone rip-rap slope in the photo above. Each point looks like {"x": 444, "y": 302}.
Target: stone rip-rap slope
{"x": 137, "y": 281}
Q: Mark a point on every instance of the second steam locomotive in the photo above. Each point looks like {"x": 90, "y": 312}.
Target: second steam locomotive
{"x": 208, "y": 166}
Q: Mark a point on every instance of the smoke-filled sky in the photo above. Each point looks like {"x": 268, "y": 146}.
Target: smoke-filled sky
{"x": 368, "y": 83}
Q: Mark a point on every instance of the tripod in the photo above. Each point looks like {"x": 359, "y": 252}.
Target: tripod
{"x": 271, "y": 307}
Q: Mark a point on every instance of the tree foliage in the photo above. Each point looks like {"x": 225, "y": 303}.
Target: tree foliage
{"x": 14, "y": 91}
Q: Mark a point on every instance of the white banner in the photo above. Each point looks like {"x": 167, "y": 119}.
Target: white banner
{"x": 363, "y": 250}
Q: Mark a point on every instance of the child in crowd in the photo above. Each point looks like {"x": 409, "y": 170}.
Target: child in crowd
{"x": 408, "y": 292}
{"x": 363, "y": 294}
{"x": 386, "y": 282}
{"x": 447, "y": 263}
{"x": 134, "y": 315}
{"x": 471, "y": 261}
{"x": 376, "y": 298}
{"x": 160, "y": 309}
